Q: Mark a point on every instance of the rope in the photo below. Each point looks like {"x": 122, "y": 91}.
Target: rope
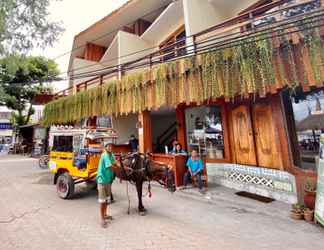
{"x": 128, "y": 210}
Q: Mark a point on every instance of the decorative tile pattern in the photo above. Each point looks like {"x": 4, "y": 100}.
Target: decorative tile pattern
{"x": 236, "y": 176}
{"x": 249, "y": 175}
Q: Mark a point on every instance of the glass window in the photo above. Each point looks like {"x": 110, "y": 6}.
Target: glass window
{"x": 63, "y": 144}
{"x": 308, "y": 117}
{"x": 205, "y": 131}
{"x": 104, "y": 122}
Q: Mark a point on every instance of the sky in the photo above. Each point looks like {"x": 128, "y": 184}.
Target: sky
{"x": 75, "y": 17}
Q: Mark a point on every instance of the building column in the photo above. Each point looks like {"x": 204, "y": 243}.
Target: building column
{"x": 181, "y": 126}
{"x": 145, "y": 132}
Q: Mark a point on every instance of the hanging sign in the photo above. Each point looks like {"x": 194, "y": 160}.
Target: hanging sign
{"x": 319, "y": 205}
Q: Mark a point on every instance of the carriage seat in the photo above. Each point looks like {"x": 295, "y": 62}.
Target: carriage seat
{"x": 80, "y": 161}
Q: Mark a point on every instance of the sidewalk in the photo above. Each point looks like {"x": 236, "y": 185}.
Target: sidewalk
{"x": 226, "y": 197}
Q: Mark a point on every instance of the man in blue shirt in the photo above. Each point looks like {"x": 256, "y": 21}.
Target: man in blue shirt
{"x": 195, "y": 168}
{"x": 105, "y": 177}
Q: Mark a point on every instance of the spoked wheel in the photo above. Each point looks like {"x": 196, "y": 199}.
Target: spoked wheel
{"x": 43, "y": 161}
{"x": 65, "y": 186}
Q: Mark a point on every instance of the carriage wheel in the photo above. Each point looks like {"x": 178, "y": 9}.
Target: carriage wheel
{"x": 65, "y": 186}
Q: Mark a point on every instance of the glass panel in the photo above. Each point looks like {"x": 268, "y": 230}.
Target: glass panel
{"x": 309, "y": 123}
{"x": 104, "y": 122}
{"x": 63, "y": 144}
{"x": 205, "y": 131}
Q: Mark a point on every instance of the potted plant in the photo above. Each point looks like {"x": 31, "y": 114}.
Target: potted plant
{"x": 308, "y": 214}
{"x": 297, "y": 211}
{"x": 309, "y": 194}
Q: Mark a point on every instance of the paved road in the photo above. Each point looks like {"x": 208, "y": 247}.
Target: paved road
{"x": 33, "y": 217}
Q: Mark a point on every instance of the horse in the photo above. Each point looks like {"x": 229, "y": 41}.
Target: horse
{"x": 137, "y": 168}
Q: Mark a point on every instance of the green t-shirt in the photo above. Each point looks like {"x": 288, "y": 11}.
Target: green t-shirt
{"x": 104, "y": 174}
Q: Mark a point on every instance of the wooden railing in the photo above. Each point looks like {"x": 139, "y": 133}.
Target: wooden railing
{"x": 221, "y": 34}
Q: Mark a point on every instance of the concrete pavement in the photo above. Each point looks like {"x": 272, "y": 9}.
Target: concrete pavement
{"x": 33, "y": 217}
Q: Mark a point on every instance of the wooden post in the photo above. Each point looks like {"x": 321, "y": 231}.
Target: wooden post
{"x": 181, "y": 126}
{"x": 145, "y": 131}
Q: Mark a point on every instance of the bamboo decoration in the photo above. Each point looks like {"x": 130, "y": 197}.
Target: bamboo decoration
{"x": 255, "y": 67}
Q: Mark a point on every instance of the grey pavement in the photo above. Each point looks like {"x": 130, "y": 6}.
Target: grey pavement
{"x": 33, "y": 217}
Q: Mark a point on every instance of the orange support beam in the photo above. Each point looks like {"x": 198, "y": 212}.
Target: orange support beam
{"x": 145, "y": 131}
{"x": 181, "y": 128}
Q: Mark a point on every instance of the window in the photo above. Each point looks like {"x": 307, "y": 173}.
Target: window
{"x": 104, "y": 122}
{"x": 308, "y": 124}
{"x": 205, "y": 131}
{"x": 63, "y": 144}
{"x": 169, "y": 49}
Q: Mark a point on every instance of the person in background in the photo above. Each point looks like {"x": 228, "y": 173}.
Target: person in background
{"x": 105, "y": 177}
{"x": 178, "y": 150}
{"x": 195, "y": 169}
{"x": 174, "y": 144}
{"x": 133, "y": 142}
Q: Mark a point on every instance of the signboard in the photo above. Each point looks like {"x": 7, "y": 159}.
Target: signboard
{"x": 5, "y": 126}
{"x": 319, "y": 206}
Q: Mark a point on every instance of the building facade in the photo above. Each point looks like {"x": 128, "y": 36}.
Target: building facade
{"x": 241, "y": 82}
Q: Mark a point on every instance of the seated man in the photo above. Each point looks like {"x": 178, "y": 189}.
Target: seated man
{"x": 195, "y": 169}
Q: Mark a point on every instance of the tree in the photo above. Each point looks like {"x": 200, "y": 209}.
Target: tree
{"x": 24, "y": 25}
{"x": 21, "y": 79}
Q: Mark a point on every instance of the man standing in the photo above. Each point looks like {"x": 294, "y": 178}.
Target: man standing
{"x": 105, "y": 177}
{"x": 133, "y": 142}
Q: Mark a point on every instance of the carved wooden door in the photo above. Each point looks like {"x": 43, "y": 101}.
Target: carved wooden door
{"x": 243, "y": 135}
{"x": 266, "y": 138}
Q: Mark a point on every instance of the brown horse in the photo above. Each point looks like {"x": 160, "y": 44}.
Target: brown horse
{"x": 138, "y": 168}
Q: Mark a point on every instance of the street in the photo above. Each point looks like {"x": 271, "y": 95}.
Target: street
{"x": 33, "y": 217}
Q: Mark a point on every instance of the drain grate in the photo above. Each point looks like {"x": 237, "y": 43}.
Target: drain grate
{"x": 255, "y": 197}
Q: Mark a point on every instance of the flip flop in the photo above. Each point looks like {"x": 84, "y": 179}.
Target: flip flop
{"x": 109, "y": 217}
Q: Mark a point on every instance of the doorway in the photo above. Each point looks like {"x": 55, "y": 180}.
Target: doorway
{"x": 164, "y": 129}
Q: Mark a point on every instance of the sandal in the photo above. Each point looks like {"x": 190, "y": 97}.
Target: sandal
{"x": 108, "y": 217}
{"x": 104, "y": 224}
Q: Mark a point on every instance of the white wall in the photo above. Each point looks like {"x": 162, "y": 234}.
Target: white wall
{"x": 129, "y": 44}
{"x": 170, "y": 20}
{"x": 110, "y": 57}
{"x": 203, "y": 14}
{"x": 125, "y": 126}
{"x": 81, "y": 66}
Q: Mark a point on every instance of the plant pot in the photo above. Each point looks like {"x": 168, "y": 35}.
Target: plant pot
{"x": 309, "y": 199}
{"x": 308, "y": 215}
{"x": 296, "y": 215}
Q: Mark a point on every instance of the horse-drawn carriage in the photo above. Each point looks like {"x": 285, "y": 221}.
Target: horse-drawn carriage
{"x": 74, "y": 156}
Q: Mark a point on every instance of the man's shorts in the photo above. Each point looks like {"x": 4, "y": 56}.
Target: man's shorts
{"x": 104, "y": 191}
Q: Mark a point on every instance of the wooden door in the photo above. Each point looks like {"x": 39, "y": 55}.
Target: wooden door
{"x": 266, "y": 138}
{"x": 243, "y": 136}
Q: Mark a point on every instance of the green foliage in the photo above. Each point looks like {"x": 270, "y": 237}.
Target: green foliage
{"x": 24, "y": 25}
{"x": 21, "y": 78}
